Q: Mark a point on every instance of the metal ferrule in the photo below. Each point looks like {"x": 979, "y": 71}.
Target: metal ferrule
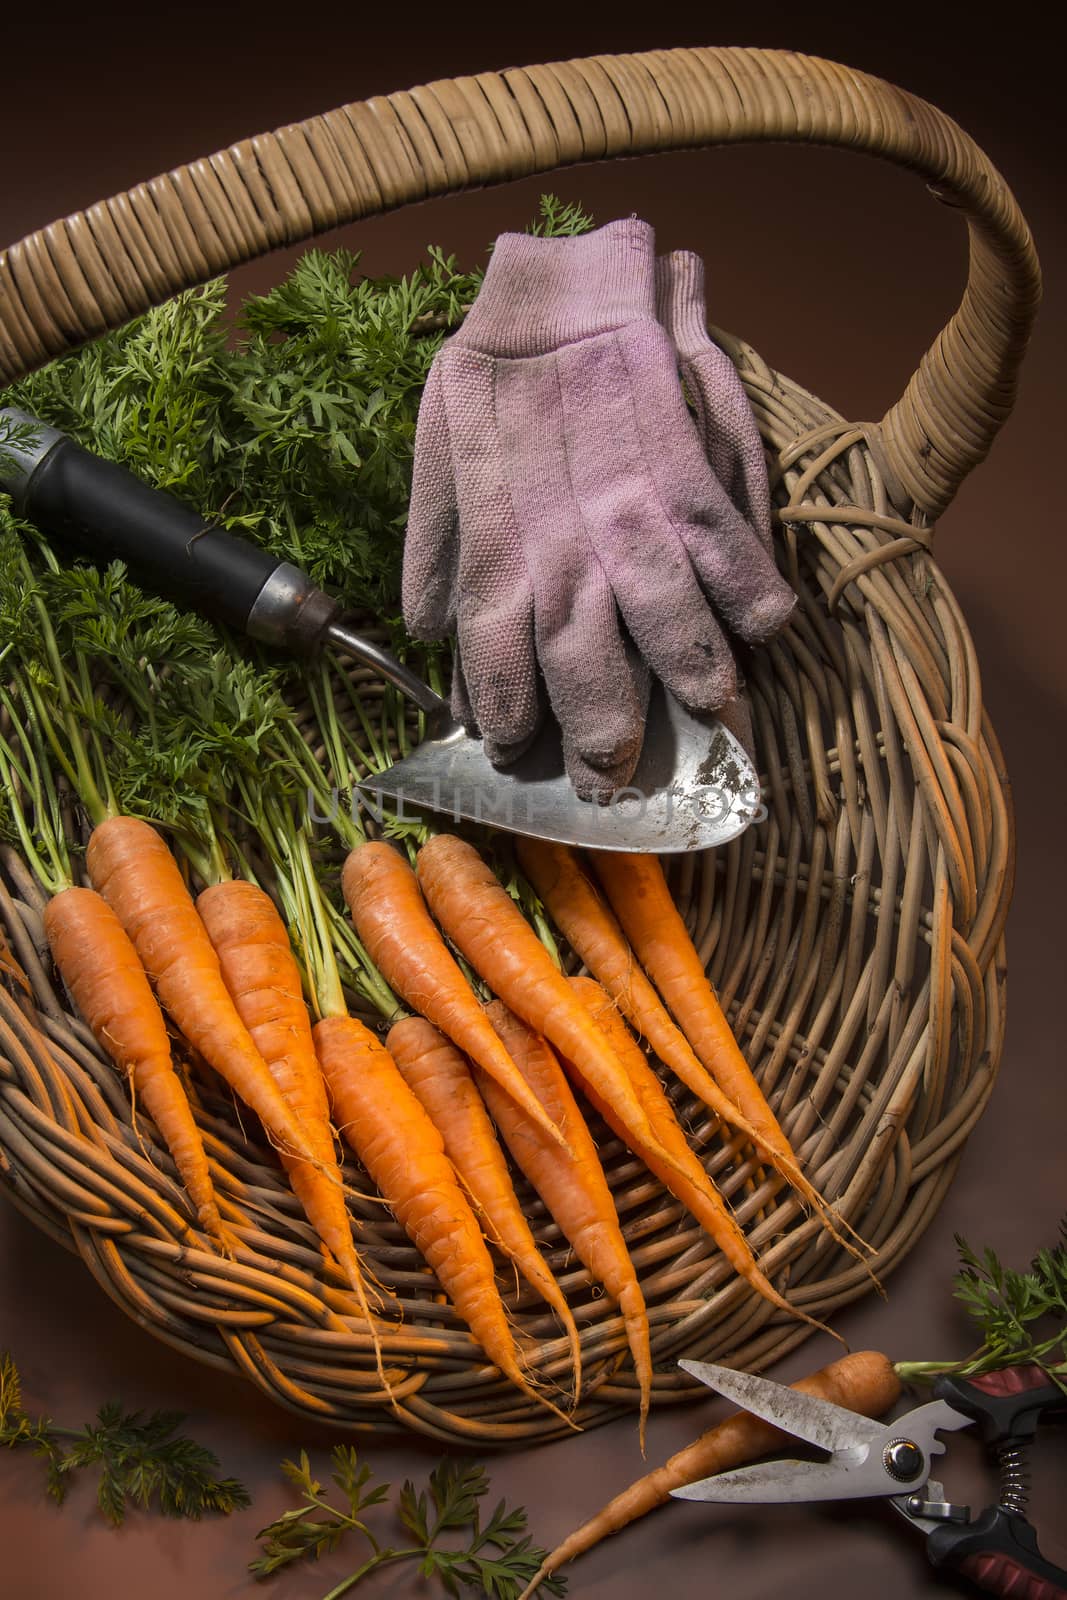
{"x": 19, "y": 460}
{"x": 289, "y": 610}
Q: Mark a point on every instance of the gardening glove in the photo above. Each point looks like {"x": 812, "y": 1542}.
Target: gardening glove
{"x": 592, "y": 783}
{"x": 724, "y": 419}
{"x": 563, "y": 515}
{"x": 724, "y": 416}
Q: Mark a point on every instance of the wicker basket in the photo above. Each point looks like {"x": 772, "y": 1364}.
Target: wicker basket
{"x": 855, "y": 935}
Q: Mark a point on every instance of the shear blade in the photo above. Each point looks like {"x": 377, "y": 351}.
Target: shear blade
{"x": 818, "y": 1422}
{"x": 784, "y": 1482}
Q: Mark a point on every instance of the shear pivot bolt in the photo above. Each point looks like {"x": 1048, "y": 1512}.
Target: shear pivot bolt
{"x": 903, "y": 1459}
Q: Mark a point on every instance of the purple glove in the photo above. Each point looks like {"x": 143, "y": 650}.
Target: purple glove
{"x": 724, "y": 421}
{"x": 724, "y": 416}
{"x": 563, "y": 515}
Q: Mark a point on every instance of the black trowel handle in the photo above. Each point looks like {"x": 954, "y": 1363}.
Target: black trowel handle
{"x": 110, "y": 514}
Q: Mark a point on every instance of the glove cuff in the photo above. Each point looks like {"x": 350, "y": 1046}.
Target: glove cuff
{"x": 539, "y": 294}
{"x": 680, "y": 302}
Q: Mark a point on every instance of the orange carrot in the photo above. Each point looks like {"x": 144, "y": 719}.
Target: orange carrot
{"x": 139, "y": 878}
{"x": 639, "y": 895}
{"x": 572, "y": 1185}
{"x": 405, "y": 1155}
{"x": 391, "y": 918}
{"x": 593, "y": 933}
{"x": 864, "y": 1382}
{"x": 108, "y": 984}
{"x": 439, "y": 1076}
{"x": 640, "y": 898}
{"x": 481, "y": 918}
{"x": 263, "y": 980}
{"x": 687, "y": 1180}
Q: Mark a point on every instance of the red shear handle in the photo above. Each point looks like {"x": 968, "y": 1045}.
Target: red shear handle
{"x": 1007, "y": 1405}
{"x": 999, "y": 1574}
{"x": 1010, "y": 1381}
{"x": 999, "y": 1553}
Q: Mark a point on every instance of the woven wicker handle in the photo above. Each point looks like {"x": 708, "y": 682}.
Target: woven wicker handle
{"x": 97, "y": 269}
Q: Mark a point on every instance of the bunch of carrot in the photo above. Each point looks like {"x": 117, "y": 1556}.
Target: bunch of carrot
{"x": 543, "y": 1032}
{"x": 426, "y": 1112}
{"x": 431, "y": 1113}
{"x": 222, "y": 970}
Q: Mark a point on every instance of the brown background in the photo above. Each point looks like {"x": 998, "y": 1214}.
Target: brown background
{"x": 840, "y": 272}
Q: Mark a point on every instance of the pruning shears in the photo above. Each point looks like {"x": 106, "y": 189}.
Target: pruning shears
{"x": 997, "y": 1550}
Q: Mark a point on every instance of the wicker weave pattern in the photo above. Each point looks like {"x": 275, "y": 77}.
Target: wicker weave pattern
{"x": 855, "y": 935}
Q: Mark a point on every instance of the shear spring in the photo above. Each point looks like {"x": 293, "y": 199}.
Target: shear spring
{"x": 1014, "y": 1478}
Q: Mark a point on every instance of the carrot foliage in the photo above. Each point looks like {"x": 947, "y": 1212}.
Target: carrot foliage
{"x": 1022, "y": 1316}
{"x": 142, "y": 1461}
{"x": 289, "y": 419}
{"x": 446, "y": 1536}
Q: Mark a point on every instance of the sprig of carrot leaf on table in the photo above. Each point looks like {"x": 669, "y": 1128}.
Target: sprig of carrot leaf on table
{"x": 447, "y": 1536}
{"x": 1022, "y": 1316}
{"x": 142, "y": 1461}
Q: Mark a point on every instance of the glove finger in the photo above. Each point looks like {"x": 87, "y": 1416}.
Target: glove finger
{"x": 599, "y": 783}
{"x": 496, "y": 645}
{"x": 501, "y": 755}
{"x": 505, "y": 755}
{"x": 431, "y": 542}
{"x": 597, "y": 689}
{"x": 591, "y": 684}
{"x": 730, "y": 438}
{"x": 493, "y": 599}
{"x": 739, "y": 576}
{"x": 676, "y": 631}
{"x": 736, "y": 571}
{"x": 724, "y": 417}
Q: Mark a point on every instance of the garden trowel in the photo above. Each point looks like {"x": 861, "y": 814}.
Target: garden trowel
{"x": 694, "y": 786}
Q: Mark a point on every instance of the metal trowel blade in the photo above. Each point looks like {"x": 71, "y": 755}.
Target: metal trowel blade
{"x": 694, "y": 787}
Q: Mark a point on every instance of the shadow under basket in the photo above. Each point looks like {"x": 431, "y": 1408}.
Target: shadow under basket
{"x": 855, "y": 935}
